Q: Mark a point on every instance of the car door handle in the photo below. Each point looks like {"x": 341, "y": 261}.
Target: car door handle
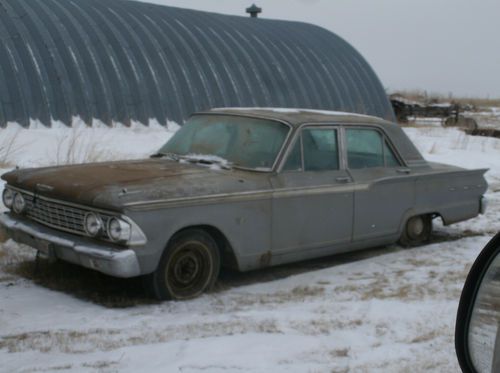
{"x": 403, "y": 170}
{"x": 344, "y": 179}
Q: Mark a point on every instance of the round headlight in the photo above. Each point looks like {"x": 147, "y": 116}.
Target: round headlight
{"x": 19, "y": 203}
{"x": 118, "y": 230}
{"x": 8, "y": 197}
{"x": 93, "y": 224}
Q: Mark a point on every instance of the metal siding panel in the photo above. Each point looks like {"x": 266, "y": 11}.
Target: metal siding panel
{"x": 56, "y": 76}
{"x": 358, "y": 87}
{"x": 202, "y": 28}
{"x": 318, "y": 74}
{"x": 123, "y": 60}
{"x": 88, "y": 43}
{"x": 285, "y": 71}
{"x": 266, "y": 70}
{"x": 140, "y": 51}
{"x": 116, "y": 74}
{"x": 178, "y": 105}
{"x": 13, "y": 101}
{"x": 245, "y": 72}
{"x": 76, "y": 84}
{"x": 195, "y": 77}
{"x": 60, "y": 45}
{"x": 4, "y": 97}
{"x": 330, "y": 55}
{"x": 117, "y": 60}
{"x": 32, "y": 82}
{"x": 157, "y": 65}
{"x": 214, "y": 77}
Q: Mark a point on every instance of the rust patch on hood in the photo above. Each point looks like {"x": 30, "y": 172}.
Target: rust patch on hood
{"x": 113, "y": 184}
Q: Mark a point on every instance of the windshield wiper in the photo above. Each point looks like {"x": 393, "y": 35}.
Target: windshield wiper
{"x": 172, "y": 156}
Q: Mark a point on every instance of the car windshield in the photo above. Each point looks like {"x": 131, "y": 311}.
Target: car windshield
{"x": 238, "y": 141}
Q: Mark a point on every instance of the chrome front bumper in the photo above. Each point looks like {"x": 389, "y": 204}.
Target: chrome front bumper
{"x": 60, "y": 245}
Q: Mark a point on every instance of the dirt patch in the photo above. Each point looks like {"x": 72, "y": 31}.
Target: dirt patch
{"x": 426, "y": 337}
{"x": 340, "y": 353}
{"x": 324, "y": 326}
{"x": 3, "y": 237}
{"x": 297, "y": 294}
{"x": 82, "y": 283}
{"x": 84, "y": 341}
{"x": 99, "y": 365}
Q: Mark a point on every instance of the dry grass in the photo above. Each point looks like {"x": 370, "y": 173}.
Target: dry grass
{"x": 100, "y": 339}
{"x": 9, "y": 147}
{"x": 81, "y": 146}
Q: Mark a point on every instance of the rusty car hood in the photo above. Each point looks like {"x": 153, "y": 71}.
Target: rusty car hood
{"x": 115, "y": 184}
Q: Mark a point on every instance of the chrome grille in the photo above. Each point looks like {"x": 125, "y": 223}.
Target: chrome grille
{"x": 57, "y": 215}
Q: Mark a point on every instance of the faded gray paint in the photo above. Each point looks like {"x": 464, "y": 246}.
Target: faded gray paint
{"x": 117, "y": 60}
{"x": 272, "y": 217}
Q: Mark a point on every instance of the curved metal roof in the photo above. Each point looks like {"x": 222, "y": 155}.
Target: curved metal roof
{"x": 118, "y": 61}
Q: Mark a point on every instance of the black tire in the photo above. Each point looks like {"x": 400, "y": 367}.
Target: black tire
{"x": 417, "y": 231}
{"x": 188, "y": 267}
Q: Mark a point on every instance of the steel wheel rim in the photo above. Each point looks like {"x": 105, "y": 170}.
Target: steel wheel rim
{"x": 189, "y": 270}
{"x": 415, "y": 227}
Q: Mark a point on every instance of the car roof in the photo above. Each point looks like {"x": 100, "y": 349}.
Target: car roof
{"x": 297, "y": 117}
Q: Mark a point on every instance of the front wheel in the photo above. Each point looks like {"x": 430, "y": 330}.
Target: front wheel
{"x": 189, "y": 266}
{"x": 417, "y": 230}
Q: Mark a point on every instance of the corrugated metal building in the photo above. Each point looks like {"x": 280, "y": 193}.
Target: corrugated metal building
{"x": 118, "y": 61}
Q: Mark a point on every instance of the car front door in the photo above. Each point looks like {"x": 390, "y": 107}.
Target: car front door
{"x": 313, "y": 197}
{"x": 385, "y": 189}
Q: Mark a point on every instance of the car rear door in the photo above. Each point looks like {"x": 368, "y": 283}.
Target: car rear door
{"x": 313, "y": 196}
{"x": 385, "y": 188}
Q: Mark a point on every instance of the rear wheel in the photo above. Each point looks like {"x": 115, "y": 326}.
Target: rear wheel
{"x": 189, "y": 266}
{"x": 417, "y": 230}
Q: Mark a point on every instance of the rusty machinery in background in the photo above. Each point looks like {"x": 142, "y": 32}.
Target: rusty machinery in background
{"x": 450, "y": 113}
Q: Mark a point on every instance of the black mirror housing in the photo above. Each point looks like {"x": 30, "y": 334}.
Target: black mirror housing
{"x": 466, "y": 307}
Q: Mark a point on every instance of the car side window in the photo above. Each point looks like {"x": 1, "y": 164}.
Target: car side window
{"x": 365, "y": 148}
{"x": 320, "y": 146}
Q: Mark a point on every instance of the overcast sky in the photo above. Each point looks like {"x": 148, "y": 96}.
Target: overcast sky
{"x": 434, "y": 45}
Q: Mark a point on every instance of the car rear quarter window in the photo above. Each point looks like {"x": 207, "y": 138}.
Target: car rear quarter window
{"x": 365, "y": 148}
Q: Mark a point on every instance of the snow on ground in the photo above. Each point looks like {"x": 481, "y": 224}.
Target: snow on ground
{"x": 40, "y": 146}
{"x": 381, "y": 310}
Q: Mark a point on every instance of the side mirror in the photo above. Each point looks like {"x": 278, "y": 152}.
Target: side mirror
{"x": 477, "y": 331}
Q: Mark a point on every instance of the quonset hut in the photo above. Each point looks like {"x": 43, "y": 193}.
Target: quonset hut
{"x": 124, "y": 61}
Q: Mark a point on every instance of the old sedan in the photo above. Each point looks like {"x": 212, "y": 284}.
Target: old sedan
{"x": 243, "y": 188}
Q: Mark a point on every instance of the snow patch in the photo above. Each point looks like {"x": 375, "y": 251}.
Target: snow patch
{"x": 292, "y": 111}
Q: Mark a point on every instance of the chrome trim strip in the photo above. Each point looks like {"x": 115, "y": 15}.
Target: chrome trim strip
{"x": 261, "y": 194}
{"x": 137, "y": 235}
{"x": 120, "y": 263}
{"x": 62, "y": 202}
{"x": 246, "y": 196}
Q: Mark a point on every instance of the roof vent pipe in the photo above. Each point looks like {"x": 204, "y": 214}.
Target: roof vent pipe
{"x": 254, "y": 11}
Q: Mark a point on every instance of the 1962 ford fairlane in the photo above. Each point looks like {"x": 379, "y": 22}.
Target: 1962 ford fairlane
{"x": 245, "y": 188}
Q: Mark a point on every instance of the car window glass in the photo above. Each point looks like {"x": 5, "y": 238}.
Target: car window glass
{"x": 364, "y": 148}
{"x": 247, "y": 142}
{"x": 294, "y": 161}
{"x": 212, "y": 140}
{"x": 390, "y": 157}
{"x": 320, "y": 149}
